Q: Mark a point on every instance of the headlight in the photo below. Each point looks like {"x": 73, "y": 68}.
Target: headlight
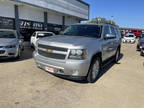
{"x": 10, "y": 46}
{"x": 79, "y": 54}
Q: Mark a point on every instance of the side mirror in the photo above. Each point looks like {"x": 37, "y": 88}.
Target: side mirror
{"x": 109, "y": 36}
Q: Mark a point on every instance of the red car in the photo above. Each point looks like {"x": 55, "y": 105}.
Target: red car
{"x": 137, "y": 33}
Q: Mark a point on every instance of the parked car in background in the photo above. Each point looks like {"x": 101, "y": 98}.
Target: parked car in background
{"x": 129, "y": 38}
{"x": 39, "y": 34}
{"x": 140, "y": 43}
{"x": 11, "y": 44}
{"x": 137, "y": 33}
{"x": 80, "y": 52}
{"x": 142, "y": 50}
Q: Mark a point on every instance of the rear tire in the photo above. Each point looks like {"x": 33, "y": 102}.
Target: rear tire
{"x": 94, "y": 70}
{"x": 117, "y": 55}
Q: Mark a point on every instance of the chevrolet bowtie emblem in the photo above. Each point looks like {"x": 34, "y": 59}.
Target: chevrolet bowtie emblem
{"x": 49, "y": 50}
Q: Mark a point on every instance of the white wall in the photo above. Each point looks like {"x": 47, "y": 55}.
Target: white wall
{"x": 6, "y": 9}
{"x": 69, "y": 7}
{"x": 70, "y": 20}
{"x": 54, "y": 18}
{"x": 31, "y": 13}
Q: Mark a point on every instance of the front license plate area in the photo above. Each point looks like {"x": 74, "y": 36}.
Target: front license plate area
{"x": 49, "y": 69}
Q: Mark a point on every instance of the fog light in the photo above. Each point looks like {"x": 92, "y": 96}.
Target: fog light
{"x": 75, "y": 72}
{"x": 11, "y": 54}
{"x": 60, "y": 71}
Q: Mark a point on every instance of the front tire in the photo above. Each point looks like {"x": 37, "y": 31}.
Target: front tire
{"x": 19, "y": 54}
{"x": 94, "y": 70}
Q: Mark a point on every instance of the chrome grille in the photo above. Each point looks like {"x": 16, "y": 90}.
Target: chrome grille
{"x": 54, "y": 52}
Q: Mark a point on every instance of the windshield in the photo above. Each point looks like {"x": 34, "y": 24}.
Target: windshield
{"x": 129, "y": 36}
{"x": 41, "y": 35}
{"x": 7, "y": 34}
{"x": 84, "y": 30}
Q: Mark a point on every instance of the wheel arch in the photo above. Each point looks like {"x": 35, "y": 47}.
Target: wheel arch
{"x": 98, "y": 54}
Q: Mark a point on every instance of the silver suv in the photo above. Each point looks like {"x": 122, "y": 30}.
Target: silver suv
{"x": 11, "y": 44}
{"x": 80, "y": 51}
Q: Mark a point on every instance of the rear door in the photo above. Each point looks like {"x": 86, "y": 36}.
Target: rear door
{"x": 106, "y": 44}
{"x": 114, "y": 41}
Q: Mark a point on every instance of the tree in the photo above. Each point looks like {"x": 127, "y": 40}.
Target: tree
{"x": 102, "y": 20}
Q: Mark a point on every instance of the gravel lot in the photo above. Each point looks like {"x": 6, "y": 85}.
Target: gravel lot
{"x": 23, "y": 85}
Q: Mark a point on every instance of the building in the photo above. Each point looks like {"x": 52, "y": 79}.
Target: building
{"x": 28, "y": 16}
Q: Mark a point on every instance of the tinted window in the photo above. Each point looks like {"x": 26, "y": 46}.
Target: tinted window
{"x": 118, "y": 32}
{"x": 84, "y": 30}
{"x": 129, "y": 36}
{"x": 34, "y": 34}
{"x": 134, "y": 31}
{"x": 113, "y": 31}
{"x": 7, "y": 34}
{"x": 106, "y": 30}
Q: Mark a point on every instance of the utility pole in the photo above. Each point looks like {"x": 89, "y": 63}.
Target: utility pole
{"x": 112, "y": 18}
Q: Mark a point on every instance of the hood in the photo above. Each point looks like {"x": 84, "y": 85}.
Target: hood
{"x": 69, "y": 40}
{"x": 4, "y": 41}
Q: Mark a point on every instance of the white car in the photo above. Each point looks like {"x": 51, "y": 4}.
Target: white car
{"x": 39, "y": 34}
{"x": 129, "y": 38}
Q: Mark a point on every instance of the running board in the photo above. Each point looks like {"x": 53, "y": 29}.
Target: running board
{"x": 107, "y": 62}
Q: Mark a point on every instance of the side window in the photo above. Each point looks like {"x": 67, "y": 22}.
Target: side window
{"x": 113, "y": 30}
{"x": 118, "y": 32}
{"x": 106, "y": 30}
{"x": 34, "y": 34}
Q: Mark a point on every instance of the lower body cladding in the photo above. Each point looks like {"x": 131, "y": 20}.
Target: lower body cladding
{"x": 8, "y": 52}
{"x": 73, "y": 69}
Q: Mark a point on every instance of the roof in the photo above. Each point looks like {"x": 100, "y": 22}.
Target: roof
{"x": 7, "y": 30}
{"x": 43, "y": 31}
{"x": 130, "y": 34}
{"x": 83, "y": 2}
{"x": 95, "y": 24}
{"x": 131, "y": 29}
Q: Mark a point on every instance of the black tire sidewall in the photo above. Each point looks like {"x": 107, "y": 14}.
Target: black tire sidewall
{"x": 89, "y": 76}
{"x": 19, "y": 53}
{"x": 115, "y": 57}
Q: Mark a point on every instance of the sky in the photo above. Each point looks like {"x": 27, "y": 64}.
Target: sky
{"x": 127, "y": 13}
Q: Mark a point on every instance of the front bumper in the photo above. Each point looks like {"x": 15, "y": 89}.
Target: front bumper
{"x": 129, "y": 41}
{"x": 8, "y": 52}
{"x": 71, "y": 68}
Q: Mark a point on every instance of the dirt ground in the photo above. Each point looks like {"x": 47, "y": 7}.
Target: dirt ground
{"x": 23, "y": 85}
